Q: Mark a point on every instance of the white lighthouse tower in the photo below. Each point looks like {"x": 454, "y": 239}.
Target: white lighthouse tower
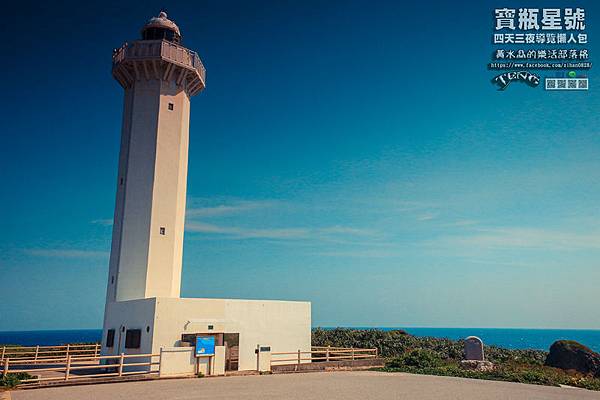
{"x": 159, "y": 77}
{"x": 144, "y": 312}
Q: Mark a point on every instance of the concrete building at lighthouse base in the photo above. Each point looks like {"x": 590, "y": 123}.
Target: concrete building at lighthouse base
{"x": 239, "y": 327}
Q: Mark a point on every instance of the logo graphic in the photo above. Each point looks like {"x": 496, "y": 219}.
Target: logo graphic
{"x": 541, "y": 39}
{"x": 503, "y": 80}
{"x": 567, "y": 83}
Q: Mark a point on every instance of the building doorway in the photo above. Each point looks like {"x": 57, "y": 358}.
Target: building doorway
{"x": 232, "y": 351}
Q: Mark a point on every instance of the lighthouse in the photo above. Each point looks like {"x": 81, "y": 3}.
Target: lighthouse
{"x": 144, "y": 313}
{"x": 159, "y": 77}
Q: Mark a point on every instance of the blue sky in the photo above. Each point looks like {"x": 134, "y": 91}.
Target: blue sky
{"x": 353, "y": 154}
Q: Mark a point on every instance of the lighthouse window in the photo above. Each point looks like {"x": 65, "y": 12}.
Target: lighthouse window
{"x": 133, "y": 338}
{"x": 160, "y": 34}
{"x": 171, "y": 106}
{"x": 110, "y": 338}
{"x": 162, "y": 230}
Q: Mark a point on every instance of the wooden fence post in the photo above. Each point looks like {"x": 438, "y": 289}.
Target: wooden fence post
{"x": 121, "y": 361}
{"x": 6, "y": 363}
{"x": 299, "y": 356}
{"x": 37, "y": 350}
{"x": 96, "y": 350}
{"x": 352, "y": 353}
{"x": 3, "y": 352}
{"x": 68, "y": 368}
{"x": 327, "y": 353}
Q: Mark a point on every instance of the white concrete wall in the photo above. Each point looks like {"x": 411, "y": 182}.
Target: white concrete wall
{"x": 132, "y": 314}
{"x": 177, "y": 361}
{"x": 282, "y": 325}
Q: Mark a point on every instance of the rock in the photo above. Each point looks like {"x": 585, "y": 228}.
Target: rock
{"x": 568, "y": 354}
{"x": 477, "y": 365}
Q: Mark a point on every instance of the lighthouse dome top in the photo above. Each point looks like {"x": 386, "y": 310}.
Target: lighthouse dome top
{"x": 161, "y": 27}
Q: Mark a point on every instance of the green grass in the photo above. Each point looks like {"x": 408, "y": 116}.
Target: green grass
{"x": 537, "y": 375}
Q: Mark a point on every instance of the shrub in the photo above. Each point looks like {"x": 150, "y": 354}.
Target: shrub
{"x": 13, "y": 379}
{"x": 418, "y": 358}
{"x": 395, "y": 343}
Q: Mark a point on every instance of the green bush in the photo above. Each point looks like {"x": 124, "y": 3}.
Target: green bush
{"x": 418, "y": 358}
{"x": 13, "y": 379}
{"x": 395, "y": 343}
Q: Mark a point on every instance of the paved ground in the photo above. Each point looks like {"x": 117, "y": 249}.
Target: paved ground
{"x": 307, "y": 386}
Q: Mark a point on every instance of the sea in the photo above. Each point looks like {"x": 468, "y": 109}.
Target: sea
{"x": 539, "y": 339}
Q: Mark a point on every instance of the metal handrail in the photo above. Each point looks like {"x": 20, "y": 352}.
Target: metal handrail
{"x": 167, "y": 50}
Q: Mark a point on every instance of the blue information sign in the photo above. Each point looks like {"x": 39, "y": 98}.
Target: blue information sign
{"x": 205, "y": 346}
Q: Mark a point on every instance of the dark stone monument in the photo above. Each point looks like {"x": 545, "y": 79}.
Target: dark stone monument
{"x": 474, "y": 349}
{"x": 474, "y": 358}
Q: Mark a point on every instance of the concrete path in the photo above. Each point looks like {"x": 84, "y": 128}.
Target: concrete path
{"x": 308, "y": 386}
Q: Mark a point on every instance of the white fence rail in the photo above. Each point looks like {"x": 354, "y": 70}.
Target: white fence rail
{"x": 45, "y": 353}
{"x": 81, "y": 366}
{"x": 322, "y": 354}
